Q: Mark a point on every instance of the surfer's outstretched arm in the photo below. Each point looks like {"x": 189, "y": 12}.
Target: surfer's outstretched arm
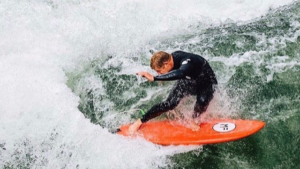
{"x": 146, "y": 75}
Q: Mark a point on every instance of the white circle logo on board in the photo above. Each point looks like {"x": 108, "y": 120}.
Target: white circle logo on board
{"x": 224, "y": 127}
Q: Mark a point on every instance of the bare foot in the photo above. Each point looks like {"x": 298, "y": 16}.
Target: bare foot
{"x": 135, "y": 127}
{"x": 194, "y": 126}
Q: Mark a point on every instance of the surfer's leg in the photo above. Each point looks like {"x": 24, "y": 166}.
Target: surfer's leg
{"x": 201, "y": 105}
{"x": 178, "y": 92}
{"x": 203, "y": 99}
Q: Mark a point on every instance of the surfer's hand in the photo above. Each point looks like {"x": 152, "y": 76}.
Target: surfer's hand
{"x": 146, "y": 75}
{"x": 135, "y": 126}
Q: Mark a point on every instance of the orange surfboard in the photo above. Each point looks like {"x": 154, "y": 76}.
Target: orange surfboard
{"x": 214, "y": 131}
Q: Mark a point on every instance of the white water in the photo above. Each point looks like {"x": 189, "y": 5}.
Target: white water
{"x": 40, "y": 39}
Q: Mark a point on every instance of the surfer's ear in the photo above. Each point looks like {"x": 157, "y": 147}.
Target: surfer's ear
{"x": 166, "y": 63}
{"x": 169, "y": 64}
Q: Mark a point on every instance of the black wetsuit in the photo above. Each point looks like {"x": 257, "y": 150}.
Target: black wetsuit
{"x": 195, "y": 77}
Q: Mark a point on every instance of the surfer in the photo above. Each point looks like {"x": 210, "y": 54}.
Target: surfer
{"x": 194, "y": 77}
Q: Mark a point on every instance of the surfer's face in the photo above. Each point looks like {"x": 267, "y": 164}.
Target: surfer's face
{"x": 167, "y": 67}
{"x": 164, "y": 69}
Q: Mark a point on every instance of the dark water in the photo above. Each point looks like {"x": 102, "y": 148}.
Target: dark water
{"x": 258, "y": 67}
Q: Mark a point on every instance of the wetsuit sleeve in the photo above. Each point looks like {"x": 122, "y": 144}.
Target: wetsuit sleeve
{"x": 180, "y": 73}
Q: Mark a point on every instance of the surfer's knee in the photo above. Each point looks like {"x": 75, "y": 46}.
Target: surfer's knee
{"x": 170, "y": 104}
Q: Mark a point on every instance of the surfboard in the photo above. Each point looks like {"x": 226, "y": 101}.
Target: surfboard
{"x": 211, "y": 132}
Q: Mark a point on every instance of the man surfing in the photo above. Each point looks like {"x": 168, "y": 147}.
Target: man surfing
{"x": 194, "y": 77}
